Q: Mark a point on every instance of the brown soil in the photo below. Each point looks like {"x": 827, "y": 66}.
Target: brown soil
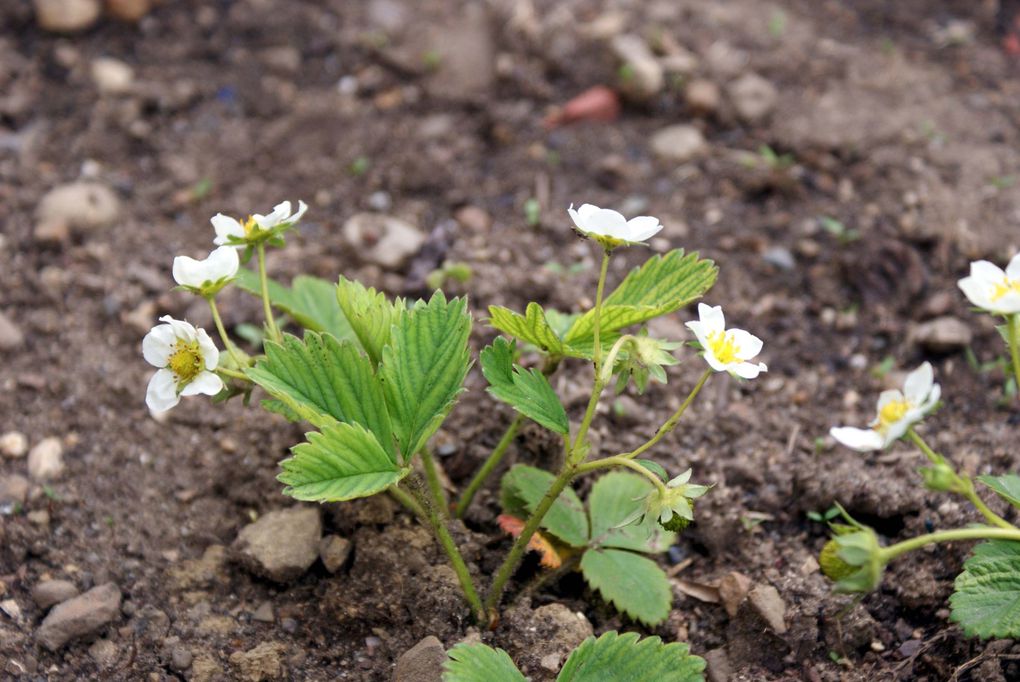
{"x": 902, "y": 134}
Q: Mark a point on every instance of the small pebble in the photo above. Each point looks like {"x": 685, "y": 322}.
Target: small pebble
{"x": 13, "y": 444}
{"x": 46, "y": 460}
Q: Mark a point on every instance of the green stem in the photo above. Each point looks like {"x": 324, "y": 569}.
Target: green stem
{"x": 435, "y": 485}
{"x": 892, "y": 551}
{"x": 923, "y": 446}
{"x": 223, "y": 331}
{"x": 232, "y": 374}
{"x": 408, "y": 501}
{"x": 620, "y": 460}
{"x": 671, "y": 423}
{"x": 1013, "y": 333}
{"x": 490, "y": 464}
{"x": 596, "y": 392}
{"x": 267, "y": 307}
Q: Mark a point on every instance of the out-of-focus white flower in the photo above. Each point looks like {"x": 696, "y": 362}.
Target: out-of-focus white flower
{"x": 185, "y": 357}
{"x": 726, "y": 350}
{"x": 991, "y": 288}
{"x": 232, "y": 231}
{"x": 897, "y": 412}
{"x": 210, "y": 274}
{"x": 610, "y": 228}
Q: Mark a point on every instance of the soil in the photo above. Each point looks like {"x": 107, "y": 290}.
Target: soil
{"x": 901, "y": 123}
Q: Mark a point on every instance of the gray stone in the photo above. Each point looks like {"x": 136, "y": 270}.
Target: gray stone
{"x": 264, "y": 613}
{"x": 104, "y": 653}
{"x": 181, "y": 658}
{"x": 66, "y": 16}
{"x": 645, "y": 77}
{"x": 719, "y": 669}
{"x": 83, "y": 206}
{"x": 421, "y": 663}
{"x": 334, "y": 550}
{"x": 765, "y": 600}
{"x": 13, "y": 489}
{"x": 79, "y": 616}
{"x": 13, "y": 444}
{"x": 942, "y": 335}
{"x": 46, "y": 460}
{"x": 282, "y": 544}
{"x": 50, "y": 592}
{"x": 702, "y": 96}
{"x": 753, "y": 97}
{"x": 466, "y": 52}
{"x": 781, "y": 257}
{"x": 680, "y": 143}
{"x": 382, "y": 239}
{"x": 112, "y": 76}
{"x": 11, "y": 336}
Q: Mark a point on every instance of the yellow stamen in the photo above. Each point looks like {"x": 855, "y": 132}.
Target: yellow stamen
{"x": 891, "y": 413}
{"x": 249, "y": 226}
{"x": 1005, "y": 287}
{"x": 185, "y": 361}
{"x": 723, "y": 346}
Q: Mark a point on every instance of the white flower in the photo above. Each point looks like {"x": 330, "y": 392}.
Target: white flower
{"x": 990, "y": 288}
{"x": 726, "y": 350}
{"x": 185, "y": 357}
{"x": 218, "y": 268}
{"x": 227, "y": 227}
{"x": 610, "y": 227}
{"x": 897, "y": 411}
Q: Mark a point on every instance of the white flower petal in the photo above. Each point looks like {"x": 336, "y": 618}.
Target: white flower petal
{"x": 714, "y": 362}
{"x": 748, "y": 345}
{"x": 986, "y": 271}
{"x": 748, "y": 370}
{"x": 302, "y": 207}
{"x": 280, "y": 213}
{"x": 861, "y": 440}
{"x": 161, "y": 393}
{"x": 210, "y": 354}
{"x": 893, "y": 395}
{"x": 158, "y": 345}
{"x": 712, "y": 318}
{"x": 977, "y": 291}
{"x": 206, "y": 382}
{"x": 182, "y": 330}
{"x": 226, "y": 226}
{"x": 1013, "y": 269}
{"x": 896, "y": 430}
{"x": 918, "y": 383}
{"x": 642, "y": 228}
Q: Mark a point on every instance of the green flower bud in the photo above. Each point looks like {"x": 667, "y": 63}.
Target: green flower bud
{"x": 940, "y": 477}
{"x": 853, "y": 560}
{"x": 677, "y": 523}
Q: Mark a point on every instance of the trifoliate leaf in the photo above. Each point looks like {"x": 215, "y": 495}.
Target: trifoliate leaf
{"x": 627, "y": 657}
{"x": 613, "y": 500}
{"x": 311, "y": 301}
{"x": 343, "y": 462}
{"x": 531, "y": 327}
{"x": 523, "y": 487}
{"x": 370, "y": 314}
{"x": 322, "y": 379}
{"x": 538, "y": 542}
{"x": 986, "y": 600}
{"x": 526, "y": 390}
{"x": 634, "y": 584}
{"x": 423, "y": 368}
{"x": 1006, "y": 486}
{"x": 480, "y": 663}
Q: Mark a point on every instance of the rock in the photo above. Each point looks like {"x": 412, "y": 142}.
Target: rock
{"x": 52, "y": 233}
{"x": 10, "y": 608}
{"x": 112, "y": 76}
{"x": 942, "y": 335}
{"x": 13, "y": 490}
{"x": 644, "y": 76}
{"x": 196, "y": 573}
{"x": 261, "y": 663}
{"x": 104, "y": 653}
{"x": 264, "y": 613}
{"x": 702, "y": 96}
{"x": 50, "y": 592}
{"x": 382, "y": 239}
{"x": 679, "y": 62}
{"x": 13, "y": 444}
{"x": 753, "y": 97}
{"x": 83, "y": 206}
{"x": 473, "y": 218}
{"x": 205, "y": 668}
{"x": 66, "y": 16}
{"x": 680, "y": 143}
{"x": 765, "y": 600}
{"x": 334, "y": 550}
{"x": 466, "y": 55}
{"x": 46, "y": 460}
{"x": 10, "y": 335}
{"x": 282, "y": 544}
{"x": 128, "y": 10}
{"x": 181, "y": 658}
{"x": 548, "y": 632}
{"x": 725, "y": 60}
{"x": 781, "y": 257}
{"x": 79, "y": 616}
{"x": 732, "y": 589}
{"x": 718, "y": 665}
{"x": 421, "y": 663}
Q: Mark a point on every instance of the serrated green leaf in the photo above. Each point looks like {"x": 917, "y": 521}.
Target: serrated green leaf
{"x": 342, "y": 462}
{"x": 634, "y": 584}
{"x": 664, "y": 284}
{"x": 526, "y": 390}
{"x": 614, "y": 657}
{"x": 279, "y": 407}
{"x": 986, "y": 600}
{"x": 370, "y": 314}
{"x": 310, "y": 301}
{"x": 531, "y": 327}
{"x": 614, "y": 498}
{"x": 523, "y": 487}
{"x": 324, "y": 380}
{"x": 423, "y": 368}
{"x": 1006, "y": 486}
{"x": 480, "y": 663}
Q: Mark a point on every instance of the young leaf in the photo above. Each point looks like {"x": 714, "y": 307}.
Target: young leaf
{"x": 480, "y": 663}
{"x": 613, "y": 499}
{"x": 986, "y": 600}
{"x": 324, "y": 380}
{"x": 634, "y": 584}
{"x": 370, "y": 315}
{"x": 523, "y": 487}
{"x": 343, "y": 462}
{"x": 627, "y": 657}
{"x": 532, "y": 327}
{"x": 526, "y": 390}
{"x": 423, "y": 368}
{"x": 1006, "y": 486}
{"x": 311, "y": 301}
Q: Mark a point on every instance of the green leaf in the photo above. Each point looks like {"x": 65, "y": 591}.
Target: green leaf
{"x": 343, "y": 462}
{"x": 324, "y": 380}
{"x": 664, "y": 284}
{"x": 370, "y": 315}
{"x": 532, "y": 327}
{"x": 523, "y": 487}
{"x": 614, "y": 657}
{"x": 634, "y": 584}
{"x": 986, "y": 600}
{"x": 311, "y": 301}
{"x": 526, "y": 390}
{"x": 1006, "y": 486}
{"x": 480, "y": 663}
{"x": 614, "y": 498}
{"x": 423, "y": 368}
{"x": 655, "y": 468}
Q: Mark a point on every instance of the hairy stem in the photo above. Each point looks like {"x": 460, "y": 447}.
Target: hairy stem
{"x": 435, "y": 485}
{"x": 490, "y": 464}
{"x": 671, "y": 423}
{"x": 576, "y": 450}
{"x": 407, "y": 500}
{"x": 223, "y": 331}
{"x": 267, "y": 307}
{"x": 1013, "y": 334}
{"x": 892, "y": 551}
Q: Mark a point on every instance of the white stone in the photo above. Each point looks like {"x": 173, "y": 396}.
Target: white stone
{"x": 66, "y": 16}
{"x": 112, "y": 76}
{"x": 678, "y": 143}
{"x": 753, "y": 97}
{"x": 382, "y": 239}
{"x": 46, "y": 460}
{"x": 13, "y": 444}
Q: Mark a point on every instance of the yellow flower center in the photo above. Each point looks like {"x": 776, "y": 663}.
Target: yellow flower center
{"x": 1004, "y": 287}
{"x": 185, "y": 361}
{"x": 891, "y": 413}
{"x": 249, "y": 226}
{"x": 723, "y": 347}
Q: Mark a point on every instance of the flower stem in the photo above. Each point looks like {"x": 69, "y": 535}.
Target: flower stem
{"x": 267, "y": 307}
{"x": 232, "y": 374}
{"x": 892, "y": 551}
{"x": 223, "y": 331}
{"x": 435, "y": 485}
{"x": 576, "y": 451}
{"x": 1013, "y": 334}
{"x": 671, "y": 423}
{"x": 490, "y": 464}
{"x": 623, "y": 461}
